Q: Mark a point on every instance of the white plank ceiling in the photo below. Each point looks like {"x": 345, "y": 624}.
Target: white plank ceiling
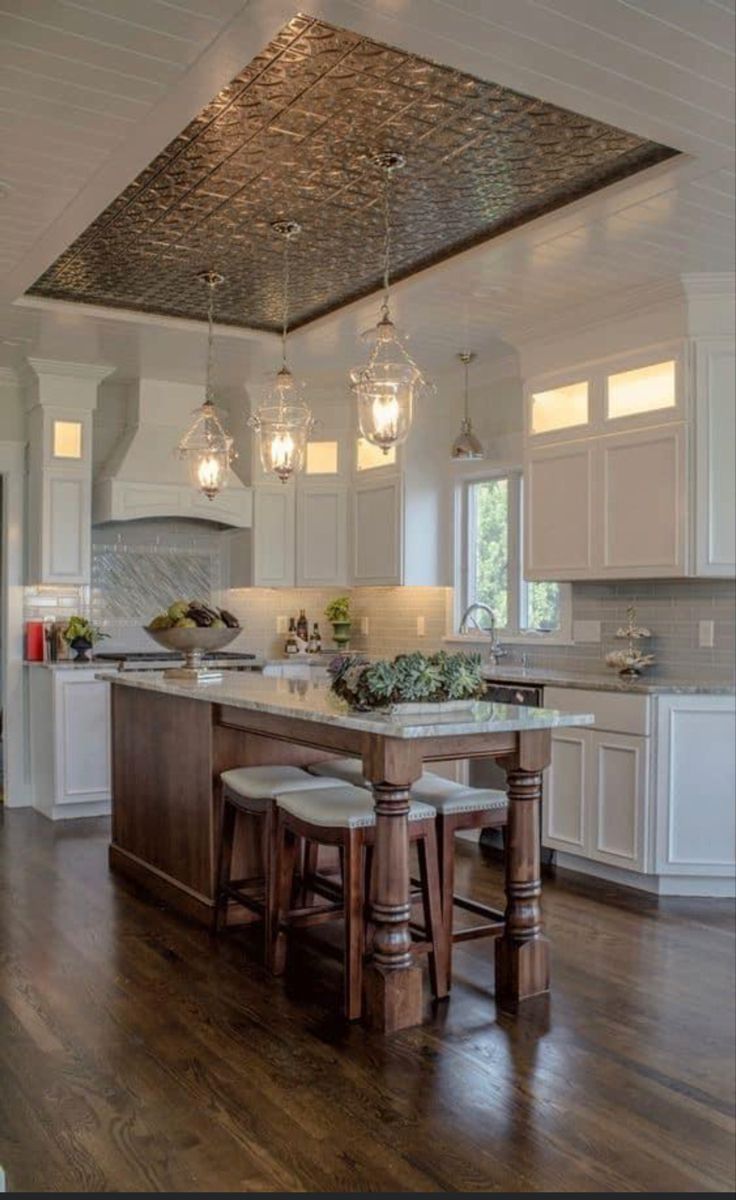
{"x": 91, "y": 89}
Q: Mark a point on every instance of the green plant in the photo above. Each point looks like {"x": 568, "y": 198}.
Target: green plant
{"x": 80, "y": 627}
{"x": 409, "y": 678}
{"x": 338, "y": 609}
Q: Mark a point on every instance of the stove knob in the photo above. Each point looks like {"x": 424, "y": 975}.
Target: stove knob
{"x": 519, "y": 697}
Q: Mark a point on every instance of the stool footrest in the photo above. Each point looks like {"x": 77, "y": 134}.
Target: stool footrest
{"x": 480, "y": 910}
{"x": 479, "y": 931}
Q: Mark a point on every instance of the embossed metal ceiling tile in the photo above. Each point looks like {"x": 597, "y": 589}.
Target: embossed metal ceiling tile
{"x": 289, "y": 137}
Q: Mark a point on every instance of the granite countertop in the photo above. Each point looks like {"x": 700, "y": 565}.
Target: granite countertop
{"x": 311, "y": 701}
{"x": 608, "y": 681}
{"x": 220, "y": 664}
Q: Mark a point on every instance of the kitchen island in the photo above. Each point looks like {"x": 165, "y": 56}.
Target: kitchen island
{"x": 172, "y": 739}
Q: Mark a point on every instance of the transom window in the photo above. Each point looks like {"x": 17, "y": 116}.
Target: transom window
{"x": 490, "y": 561}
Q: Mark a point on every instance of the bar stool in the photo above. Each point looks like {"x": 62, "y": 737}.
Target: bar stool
{"x": 253, "y": 790}
{"x": 457, "y": 807}
{"x": 346, "y": 818}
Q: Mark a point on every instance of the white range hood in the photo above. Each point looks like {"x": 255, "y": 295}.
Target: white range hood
{"x": 143, "y": 477}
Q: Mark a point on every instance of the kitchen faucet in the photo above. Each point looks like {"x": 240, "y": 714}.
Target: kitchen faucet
{"x": 495, "y": 650}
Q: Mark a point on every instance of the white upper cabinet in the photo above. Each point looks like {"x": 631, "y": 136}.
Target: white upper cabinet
{"x": 630, "y": 465}
{"x": 377, "y": 532}
{"x": 715, "y": 457}
{"x": 274, "y": 535}
{"x": 60, "y": 399}
{"x": 321, "y": 534}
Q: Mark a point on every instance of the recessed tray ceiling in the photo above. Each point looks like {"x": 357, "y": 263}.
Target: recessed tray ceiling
{"x": 292, "y": 137}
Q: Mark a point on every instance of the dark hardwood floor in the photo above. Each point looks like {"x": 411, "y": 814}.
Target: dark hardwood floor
{"x": 136, "y": 1054}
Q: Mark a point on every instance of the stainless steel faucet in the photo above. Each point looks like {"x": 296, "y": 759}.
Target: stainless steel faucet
{"x": 495, "y": 650}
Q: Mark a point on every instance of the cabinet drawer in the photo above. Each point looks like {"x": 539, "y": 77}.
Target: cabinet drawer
{"x": 613, "y": 712}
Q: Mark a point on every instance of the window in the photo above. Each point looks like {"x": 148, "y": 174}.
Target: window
{"x": 560, "y": 408}
{"x": 321, "y": 458}
{"x": 644, "y": 390}
{"x": 67, "y": 439}
{"x": 370, "y": 457}
{"x": 491, "y": 561}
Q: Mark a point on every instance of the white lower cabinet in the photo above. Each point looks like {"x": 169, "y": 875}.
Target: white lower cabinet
{"x": 565, "y": 818}
{"x": 695, "y": 828}
{"x": 618, "y": 785}
{"x": 648, "y": 790}
{"x": 70, "y": 742}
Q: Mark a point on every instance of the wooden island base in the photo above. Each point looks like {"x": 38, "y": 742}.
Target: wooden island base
{"x": 169, "y": 750}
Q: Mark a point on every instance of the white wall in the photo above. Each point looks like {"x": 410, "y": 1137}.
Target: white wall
{"x": 12, "y": 412}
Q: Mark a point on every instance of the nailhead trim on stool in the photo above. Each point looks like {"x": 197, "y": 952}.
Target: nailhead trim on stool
{"x": 342, "y": 807}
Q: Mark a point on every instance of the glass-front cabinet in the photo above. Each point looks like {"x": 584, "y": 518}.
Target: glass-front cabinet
{"x": 642, "y": 388}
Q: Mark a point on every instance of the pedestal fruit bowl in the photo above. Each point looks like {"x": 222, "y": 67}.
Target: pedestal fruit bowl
{"x": 193, "y": 629}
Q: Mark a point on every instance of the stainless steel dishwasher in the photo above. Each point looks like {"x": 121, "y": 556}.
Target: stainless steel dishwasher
{"x": 486, "y": 772}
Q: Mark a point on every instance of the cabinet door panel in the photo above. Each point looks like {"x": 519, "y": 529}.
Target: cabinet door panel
{"x": 66, "y": 528}
{"x": 716, "y": 459}
{"x": 617, "y": 793}
{"x": 377, "y": 520}
{"x": 322, "y": 540}
{"x": 564, "y": 824}
{"x": 642, "y": 504}
{"x": 696, "y": 829}
{"x": 83, "y": 740}
{"x": 273, "y": 536}
{"x": 558, "y": 512}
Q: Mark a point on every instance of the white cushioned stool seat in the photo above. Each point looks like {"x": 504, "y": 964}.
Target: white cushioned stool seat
{"x": 444, "y": 795}
{"x": 342, "y": 807}
{"x": 265, "y": 783}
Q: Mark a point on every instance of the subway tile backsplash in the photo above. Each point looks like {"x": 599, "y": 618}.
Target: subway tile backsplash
{"x": 135, "y": 578}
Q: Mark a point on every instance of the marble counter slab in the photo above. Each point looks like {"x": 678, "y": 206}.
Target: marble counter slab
{"x": 311, "y": 701}
{"x": 608, "y": 682}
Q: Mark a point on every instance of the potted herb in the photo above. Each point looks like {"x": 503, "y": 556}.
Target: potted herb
{"x": 410, "y": 683}
{"x": 81, "y": 635}
{"x": 338, "y": 614}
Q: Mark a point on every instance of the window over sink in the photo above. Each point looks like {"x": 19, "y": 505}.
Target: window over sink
{"x": 489, "y": 562}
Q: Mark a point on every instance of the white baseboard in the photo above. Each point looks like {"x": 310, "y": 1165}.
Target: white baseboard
{"x": 66, "y": 812}
{"x": 657, "y": 885}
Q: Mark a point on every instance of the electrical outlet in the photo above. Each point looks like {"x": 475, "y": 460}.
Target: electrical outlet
{"x": 365, "y": 626}
{"x": 706, "y": 635}
{"x": 282, "y": 624}
{"x": 421, "y": 627}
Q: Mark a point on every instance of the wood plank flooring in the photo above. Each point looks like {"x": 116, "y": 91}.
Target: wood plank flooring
{"x": 136, "y": 1054}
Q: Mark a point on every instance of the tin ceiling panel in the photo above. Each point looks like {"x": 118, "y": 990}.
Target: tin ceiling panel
{"x": 292, "y": 137}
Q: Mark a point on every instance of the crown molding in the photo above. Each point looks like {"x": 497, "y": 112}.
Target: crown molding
{"x": 70, "y": 370}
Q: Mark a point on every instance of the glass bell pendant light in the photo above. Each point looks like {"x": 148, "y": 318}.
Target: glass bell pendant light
{"x": 283, "y": 422}
{"x": 206, "y": 446}
{"x": 466, "y": 444}
{"x": 387, "y": 385}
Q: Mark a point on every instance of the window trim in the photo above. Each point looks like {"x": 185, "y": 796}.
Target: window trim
{"x": 517, "y": 585}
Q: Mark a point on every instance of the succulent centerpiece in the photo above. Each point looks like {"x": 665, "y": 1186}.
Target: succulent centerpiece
{"x": 410, "y": 682}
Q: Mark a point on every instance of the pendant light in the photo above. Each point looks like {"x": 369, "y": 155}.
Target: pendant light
{"x": 206, "y": 446}
{"x": 283, "y": 422}
{"x": 388, "y": 384}
{"x": 466, "y": 444}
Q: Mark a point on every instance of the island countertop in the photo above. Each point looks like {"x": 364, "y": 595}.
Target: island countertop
{"x": 314, "y": 701}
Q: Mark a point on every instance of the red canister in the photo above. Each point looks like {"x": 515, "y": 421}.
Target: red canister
{"x": 34, "y": 641}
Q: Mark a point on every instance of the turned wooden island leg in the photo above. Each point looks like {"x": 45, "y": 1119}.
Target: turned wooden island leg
{"x": 393, "y": 983}
{"x": 522, "y": 953}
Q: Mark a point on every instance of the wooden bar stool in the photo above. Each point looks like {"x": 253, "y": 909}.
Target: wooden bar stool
{"x": 457, "y": 807}
{"x": 253, "y": 790}
{"x": 346, "y": 818}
